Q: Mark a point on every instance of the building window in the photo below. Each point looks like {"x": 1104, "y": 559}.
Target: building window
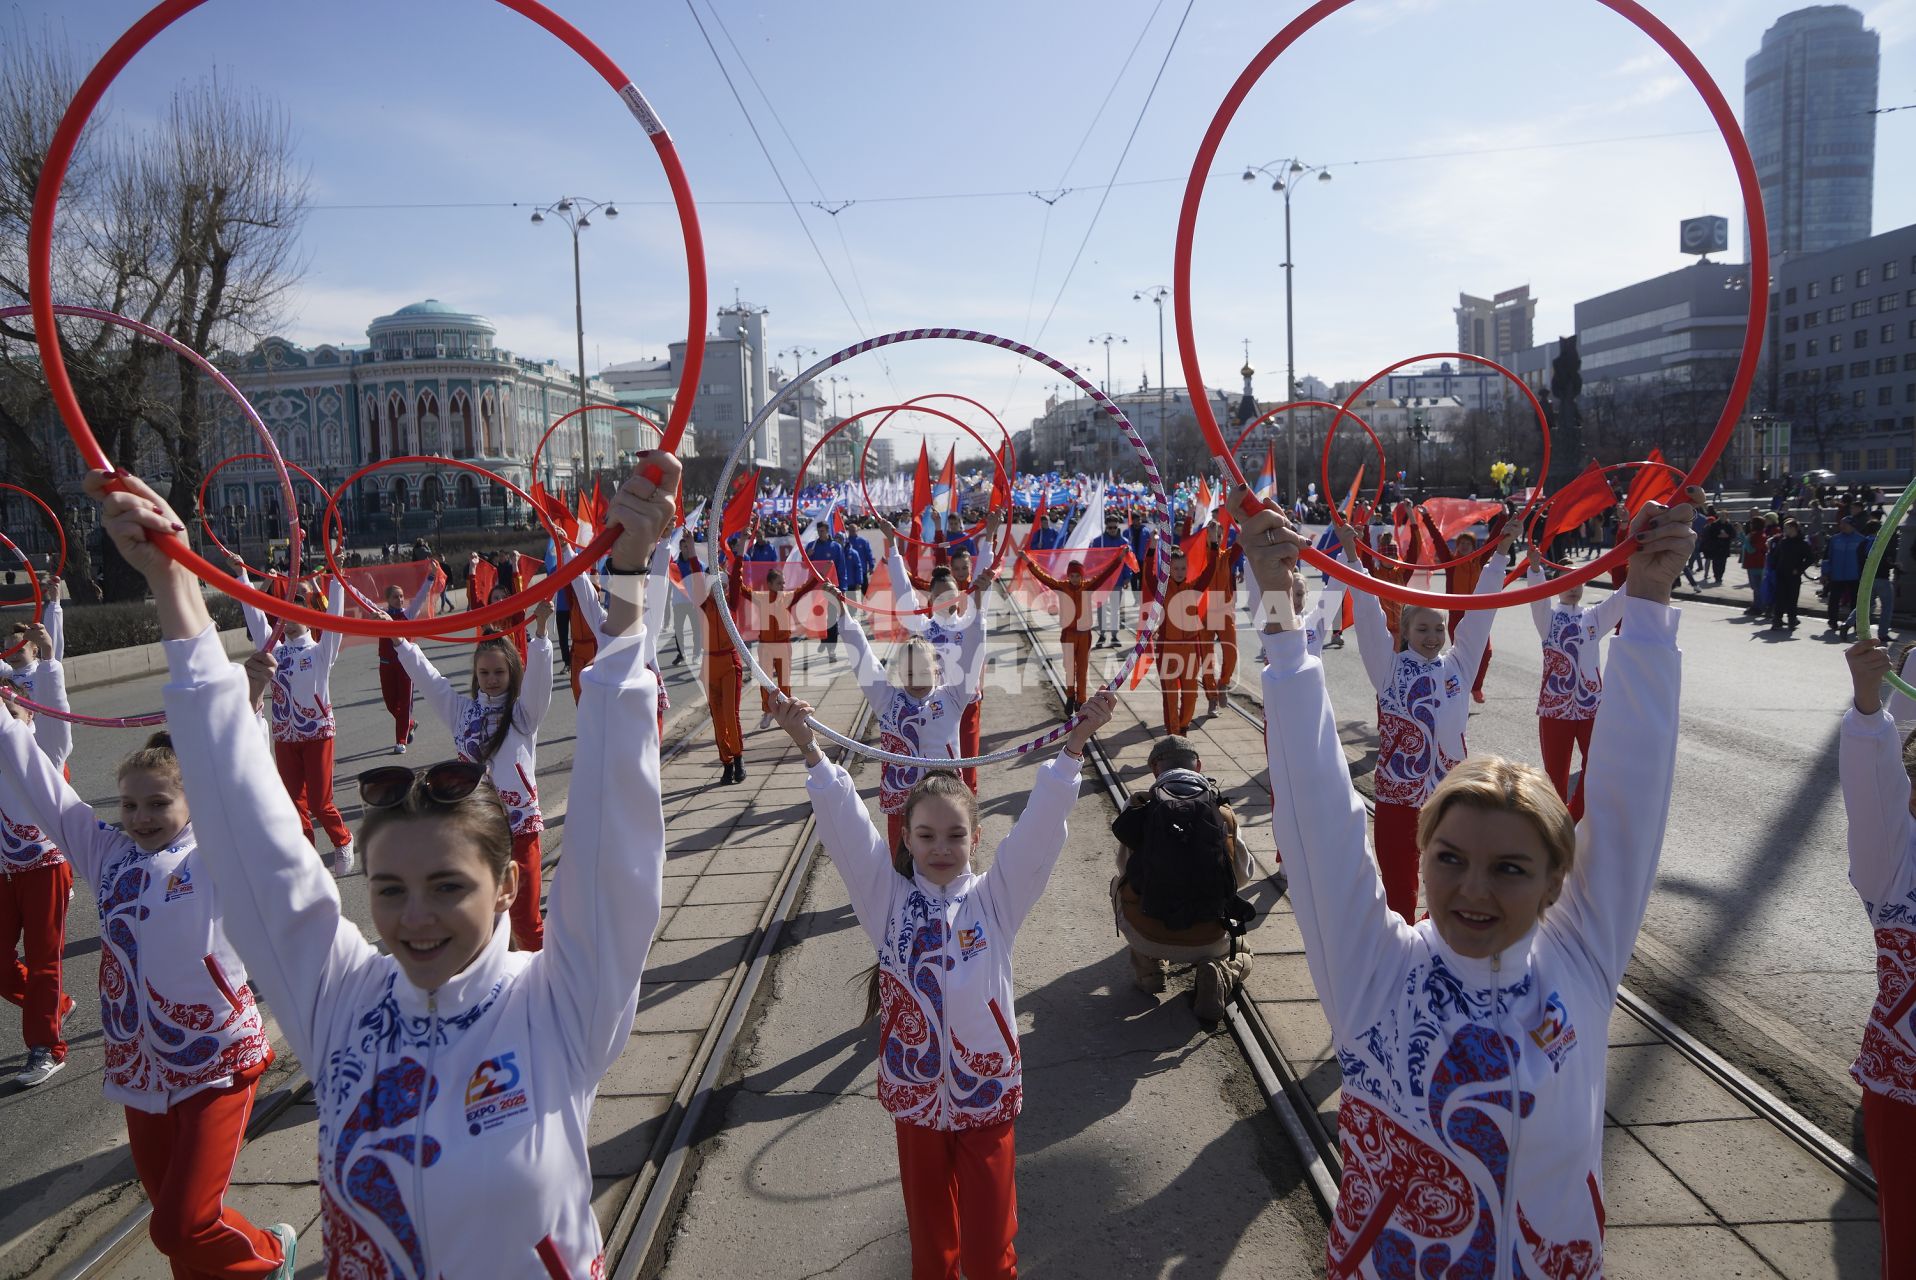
{"x": 1888, "y": 334}
{"x": 1789, "y": 351}
{"x": 1837, "y": 284}
{"x": 1863, "y": 307}
{"x": 1833, "y": 374}
{"x": 1886, "y": 364}
{"x": 1836, "y": 343}
{"x": 1909, "y": 363}
{"x": 1862, "y": 276}
{"x": 1838, "y": 313}
{"x": 1815, "y": 289}
{"x": 1905, "y": 457}
{"x": 1909, "y": 393}
{"x": 1878, "y": 459}
{"x": 1888, "y": 303}
{"x": 1859, "y": 369}
{"x": 1812, "y": 319}
{"x": 1810, "y": 347}
{"x": 1889, "y": 270}
{"x": 1789, "y": 379}
{"x": 1849, "y": 459}
{"x": 1789, "y": 325}
{"x": 1858, "y": 398}
{"x": 1789, "y": 297}
{"x": 1885, "y": 395}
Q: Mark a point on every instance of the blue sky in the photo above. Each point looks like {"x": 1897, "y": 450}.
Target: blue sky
{"x": 1475, "y": 145}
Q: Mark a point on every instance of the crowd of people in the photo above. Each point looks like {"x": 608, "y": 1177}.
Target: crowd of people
{"x": 455, "y": 1057}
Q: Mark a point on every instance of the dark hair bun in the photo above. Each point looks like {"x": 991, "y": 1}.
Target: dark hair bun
{"x": 161, "y": 741}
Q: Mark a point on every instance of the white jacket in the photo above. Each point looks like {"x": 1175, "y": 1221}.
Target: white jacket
{"x": 1882, "y": 867}
{"x": 302, "y": 698}
{"x": 1437, "y": 1162}
{"x": 176, "y": 1013}
{"x": 1423, "y": 706}
{"x": 452, "y": 1124}
{"x": 924, "y": 727}
{"x": 45, "y": 681}
{"x": 514, "y": 768}
{"x": 948, "y": 1034}
{"x": 23, "y": 846}
{"x": 959, "y": 663}
{"x": 1572, "y": 686}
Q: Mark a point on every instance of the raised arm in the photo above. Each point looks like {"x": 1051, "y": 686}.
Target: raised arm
{"x": 416, "y": 607}
{"x": 535, "y": 690}
{"x": 54, "y": 618}
{"x": 1876, "y": 786}
{"x": 904, "y": 598}
{"x": 54, "y": 735}
{"x": 1374, "y": 644}
{"x": 1473, "y": 632}
{"x": 278, "y": 904}
{"x": 446, "y": 702}
{"x": 51, "y": 802}
{"x": 329, "y": 643}
{"x": 865, "y": 669}
{"x": 585, "y": 595}
{"x": 257, "y": 625}
{"x": 1540, "y": 609}
{"x": 1023, "y": 863}
{"x": 1038, "y": 572}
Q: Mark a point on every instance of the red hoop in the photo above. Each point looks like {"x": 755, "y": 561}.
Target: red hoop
{"x": 914, "y": 404}
{"x": 538, "y": 449}
{"x": 476, "y": 619}
{"x": 1759, "y": 273}
{"x": 799, "y": 481}
{"x": 1265, "y": 417}
{"x": 206, "y": 525}
{"x": 39, "y": 597}
{"x": 46, "y": 200}
{"x": 1543, "y": 468}
{"x": 59, "y": 530}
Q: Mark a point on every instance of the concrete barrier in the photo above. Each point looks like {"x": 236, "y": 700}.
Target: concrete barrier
{"x": 92, "y": 669}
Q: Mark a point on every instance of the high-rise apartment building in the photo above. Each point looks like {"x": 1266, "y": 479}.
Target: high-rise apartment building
{"x": 1496, "y": 328}
{"x": 1809, "y": 95}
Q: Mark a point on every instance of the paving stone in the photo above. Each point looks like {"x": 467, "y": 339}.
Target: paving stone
{"x": 1625, "y": 1029}
{"x": 1639, "y": 1191}
{"x": 1654, "y": 1084}
{"x": 678, "y": 1006}
{"x": 288, "y": 1152}
{"x": 622, "y": 1132}
{"x": 1663, "y": 1253}
{"x": 1747, "y": 1171}
{"x": 1299, "y": 1027}
{"x": 680, "y": 961}
{"x": 1818, "y": 1250}
{"x": 653, "y": 1062}
{"x": 1280, "y": 977}
{"x": 757, "y": 858}
{"x": 743, "y": 887}
{"x": 697, "y": 922}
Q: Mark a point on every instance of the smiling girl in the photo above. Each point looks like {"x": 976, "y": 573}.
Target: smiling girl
{"x": 495, "y": 723}
{"x": 454, "y": 1078}
{"x": 1472, "y": 1044}
{"x": 949, "y": 1070}
{"x": 184, "y": 1044}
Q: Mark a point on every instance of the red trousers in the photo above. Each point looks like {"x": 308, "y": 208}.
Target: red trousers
{"x": 583, "y": 653}
{"x": 969, "y": 726}
{"x": 894, "y": 831}
{"x": 1219, "y": 660}
{"x": 33, "y": 918}
{"x": 723, "y": 682}
{"x": 1395, "y": 839}
{"x": 1561, "y": 739}
{"x": 184, "y": 1157}
{"x": 961, "y": 1200}
{"x": 307, "y": 770}
{"x": 395, "y": 686}
{"x": 528, "y": 927}
{"x": 1077, "y": 664}
{"x": 1483, "y": 669}
{"x": 776, "y": 657}
{"x": 1889, "y": 1130}
{"x": 1178, "y": 680}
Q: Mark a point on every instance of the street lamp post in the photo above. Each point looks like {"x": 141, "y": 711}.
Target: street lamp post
{"x": 1107, "y": 339}
{"x": 1284, "y": 175}
{"x": 576, "y": 212}
{"x": 1157, "y": 293}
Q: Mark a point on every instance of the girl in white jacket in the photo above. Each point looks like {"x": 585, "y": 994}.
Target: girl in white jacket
{"x": 495, "y": 723}
{"x": 184, "y": 1044}
{"x": 1877, "y": 768}
{"x": 949, "y": 1070}
{"x": 1472, "y": 1044}
{"x": 1423, "y": 711}
{"x": 454, "y": 1079}
{"x": 1572, "y": 686}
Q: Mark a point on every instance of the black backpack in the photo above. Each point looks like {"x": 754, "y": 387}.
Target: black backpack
{"x": 1181, "y": 864}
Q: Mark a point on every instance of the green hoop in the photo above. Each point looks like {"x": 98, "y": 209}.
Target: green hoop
{"x": 1865, "y": 587}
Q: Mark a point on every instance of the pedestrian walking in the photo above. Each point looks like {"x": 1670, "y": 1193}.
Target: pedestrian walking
{"x": 1790, "y": 557}
{"x": 1842, "y": 569}
{"x": 1472, "y": 1045}
{"x": 944, "y": 936}
{"x": 724, "y": 669}
{"x": 395, "y": 686}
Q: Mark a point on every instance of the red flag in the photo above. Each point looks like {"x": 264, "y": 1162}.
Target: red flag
{"x": 1586, "y": 496}
{"x": 485, "y": 576}
{"x": 1350, "y": 499}
{"x": 1197, "y": 554}
{"x": 601, "y": 505}
{"x": 584, "y": 507}
{"x": 1454, "y": 515}
{"x": 1001, "y": 481}
{"x": 1018, "y": 570}
{"x": 555, "y": 510}
{"x": 949, "y": 479}
{"x": 838, "y": 520}
{"x": 921, "y": 482}
{"x": 738, "y": 511}
{"x": 1655, "y": 481}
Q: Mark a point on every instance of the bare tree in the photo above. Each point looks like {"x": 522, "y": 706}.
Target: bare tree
{"x": 191, "y": 228}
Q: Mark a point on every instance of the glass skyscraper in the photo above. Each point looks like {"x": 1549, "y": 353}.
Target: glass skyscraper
{"x": 1808, "y": 98}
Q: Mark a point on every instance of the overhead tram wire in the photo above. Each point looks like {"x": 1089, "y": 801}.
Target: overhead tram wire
{"x": 834, "y": 208}
{"x": 1105, "y": 195}
{"x": 1050, "y": 201}
{"x": 760, "y": 139}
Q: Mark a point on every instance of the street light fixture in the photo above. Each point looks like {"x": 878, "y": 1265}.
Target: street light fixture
{"x": 1107, "y": 339}
{"x": 1284, "y": 176}
{"x": 575, "y": 212}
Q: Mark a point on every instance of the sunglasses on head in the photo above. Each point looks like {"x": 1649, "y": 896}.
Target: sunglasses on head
{"x": 447, "y": 782}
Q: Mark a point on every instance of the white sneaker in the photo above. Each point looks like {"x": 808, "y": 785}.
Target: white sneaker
{"x": 343, "y": 861}
{"x": 765, "y": 721}
{"x": 41, "y": 1065}
{"x": 399, "y": 748}
{"x": 289, "y": 1245}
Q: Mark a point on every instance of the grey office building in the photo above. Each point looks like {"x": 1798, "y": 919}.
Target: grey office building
{"x": 1843, "y": 342}
{"x": 1675, "y": 329}
{"x": 1808, "y": 95}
